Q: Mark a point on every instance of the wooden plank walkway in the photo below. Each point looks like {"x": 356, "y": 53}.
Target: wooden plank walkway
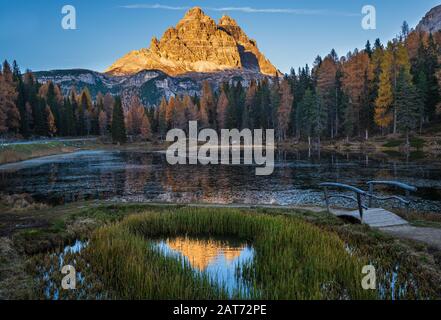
{"x": 375, "y": 218}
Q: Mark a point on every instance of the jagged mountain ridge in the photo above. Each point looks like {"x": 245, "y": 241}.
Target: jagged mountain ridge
{"x": 197, "y": 44}
{"x": 149, "y": 85}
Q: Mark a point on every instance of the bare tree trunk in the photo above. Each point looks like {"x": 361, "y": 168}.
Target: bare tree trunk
{"x": 336, "y": 112}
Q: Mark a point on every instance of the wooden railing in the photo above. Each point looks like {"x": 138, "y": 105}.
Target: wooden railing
{"x": 407, "y": 188}
{"x": 360, "y": 194}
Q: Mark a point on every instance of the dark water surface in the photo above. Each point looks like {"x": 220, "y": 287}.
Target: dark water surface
{"x": 146, "y": 176}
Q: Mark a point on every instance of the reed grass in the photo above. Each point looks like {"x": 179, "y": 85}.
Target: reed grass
{"x": 293, "y": 258}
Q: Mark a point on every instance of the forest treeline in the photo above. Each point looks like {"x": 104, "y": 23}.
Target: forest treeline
{"x": 382, "y": 89}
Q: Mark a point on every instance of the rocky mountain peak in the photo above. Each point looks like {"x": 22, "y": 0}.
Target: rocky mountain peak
{"x": 197, "y": 44}
{"x": 227, "y": 21}
{"x": 195, "y": 12}
{"x": 431, "y": 22}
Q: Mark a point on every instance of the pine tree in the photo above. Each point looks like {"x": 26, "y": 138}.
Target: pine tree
{"x": 108, "y": 103}
{"x": 405, "y": 30}
{"x": 305, "y": 114}
{"x": 431, "y": 67}
{"x": 422, "y": 88}
{"x": 400, "y": 61}
{"x": 265, "y": 113}
{"x": 250, "y": 102}
{"x": 40, "y": 116}
{"x": 350, "y": 117}
{"x": 70, "y": 118}
{"x": 407, "y": 102}
{"x": 328, "y": 91}
{"x": 318, "y": 118}
{"x": 368, "y": 48}
{"x": 21, "y": 100}
{"x": 118, "y": 126}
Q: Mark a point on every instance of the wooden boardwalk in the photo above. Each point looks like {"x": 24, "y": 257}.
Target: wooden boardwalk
{"x": 375, "y": 218}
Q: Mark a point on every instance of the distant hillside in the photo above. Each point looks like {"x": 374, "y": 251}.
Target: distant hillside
{"x": 149, "y": 85}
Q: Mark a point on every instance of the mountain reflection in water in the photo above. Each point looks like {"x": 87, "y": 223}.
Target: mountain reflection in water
{"x": 219, "y": 259}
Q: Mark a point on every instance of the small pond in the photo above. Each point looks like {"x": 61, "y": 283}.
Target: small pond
{"x": 219, "y": 259}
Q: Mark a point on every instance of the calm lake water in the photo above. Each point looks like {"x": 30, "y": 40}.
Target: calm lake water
{"x": 146, "y": 176}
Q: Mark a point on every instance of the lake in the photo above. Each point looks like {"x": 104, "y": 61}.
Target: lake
{"x": 146, "y": 177}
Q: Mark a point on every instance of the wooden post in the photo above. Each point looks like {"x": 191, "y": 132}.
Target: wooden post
{"x": 371, "y": 192}
{"x": 360, "y": 207}
{"x": 408, "y": 203}
{"x": 327, "y": 200}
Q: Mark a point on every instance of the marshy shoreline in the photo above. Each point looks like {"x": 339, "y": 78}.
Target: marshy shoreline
{"x": 26, "y": 246}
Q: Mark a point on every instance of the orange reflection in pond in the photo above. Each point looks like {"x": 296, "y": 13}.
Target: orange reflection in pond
{"x": 200, "y": 253}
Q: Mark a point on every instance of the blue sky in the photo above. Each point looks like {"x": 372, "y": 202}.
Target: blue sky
{"x": 288, "y": 32}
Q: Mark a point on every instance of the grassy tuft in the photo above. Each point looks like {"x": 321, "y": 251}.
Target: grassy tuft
{"x": 294, "y": 259}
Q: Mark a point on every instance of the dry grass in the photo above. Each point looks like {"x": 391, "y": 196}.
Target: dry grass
{"x": 20, "y": 152}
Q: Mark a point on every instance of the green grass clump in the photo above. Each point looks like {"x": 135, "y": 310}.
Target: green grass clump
{"x": 417, "y": 143}
{"x": 293, "y": 258}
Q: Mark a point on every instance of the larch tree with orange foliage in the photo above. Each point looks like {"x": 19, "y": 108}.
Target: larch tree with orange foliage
{"x": 137, "y": 122}
{"x": 179, "y": 120}
{"x": 383, "y": 104}
{"x": 9, "y": 113}
{"x": 222, "y": 107}
{"x": 52, "y": 129}
{"x": 357, "y": 71}
{"x": 207, "y": 111}
{"x": 284, "y": 110}
{"x": 191, "y": 110}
